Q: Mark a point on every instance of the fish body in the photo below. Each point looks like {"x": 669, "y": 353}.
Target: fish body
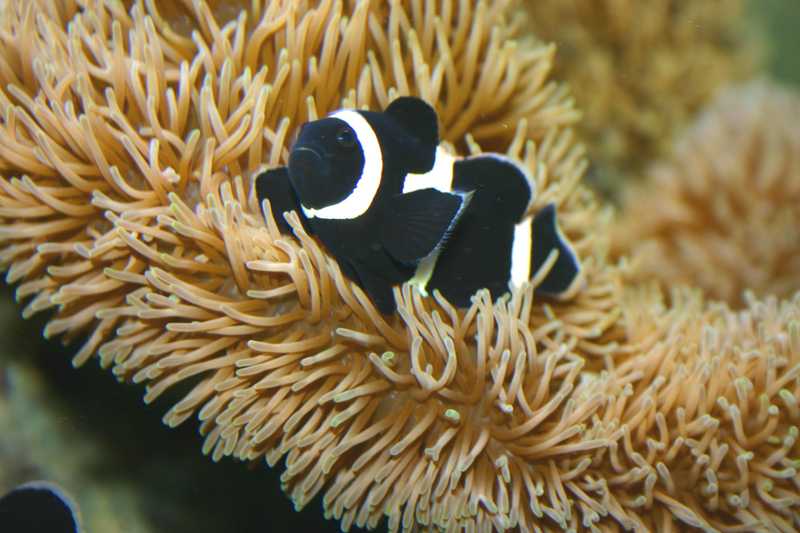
{"x": 391, "y": 206}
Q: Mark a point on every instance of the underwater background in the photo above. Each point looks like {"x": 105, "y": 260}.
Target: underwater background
{"x": 130, "y": 473}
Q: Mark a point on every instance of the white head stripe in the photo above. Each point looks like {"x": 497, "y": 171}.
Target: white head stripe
{"x": 358, "y": 201}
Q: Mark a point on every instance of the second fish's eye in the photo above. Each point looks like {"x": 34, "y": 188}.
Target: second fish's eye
{"x": 345, "y": 137}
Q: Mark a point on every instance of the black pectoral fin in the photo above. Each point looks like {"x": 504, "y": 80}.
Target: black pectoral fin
{"x": 418, "y": 222}
{"x": 274, "y": 185}
{"x": 378, "y": 289}
{"x": 548, "y": 237}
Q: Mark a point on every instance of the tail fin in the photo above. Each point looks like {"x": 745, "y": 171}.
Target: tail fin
{"x": 547, "y": 237}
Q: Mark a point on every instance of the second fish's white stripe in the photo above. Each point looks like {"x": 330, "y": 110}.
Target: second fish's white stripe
{"x": 521, "y": 253}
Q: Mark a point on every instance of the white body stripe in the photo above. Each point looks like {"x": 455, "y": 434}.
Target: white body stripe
{"x": 357, "y": 202}
{"x": 521, "y": 253}
{"x": 440, "y": 177}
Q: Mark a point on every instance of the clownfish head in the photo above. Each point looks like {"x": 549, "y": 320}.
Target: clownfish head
{"x": 326, "y": 162}
{"x": 336, "y": 165}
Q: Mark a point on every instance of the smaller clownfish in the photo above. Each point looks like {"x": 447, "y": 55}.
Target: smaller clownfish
{"x": 392, "y": 206}
{"x": 38, "y": 506}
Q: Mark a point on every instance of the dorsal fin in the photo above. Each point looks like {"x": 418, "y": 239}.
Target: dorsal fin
{"x": 419, "y": 120}
{"x": 416, "y": 116}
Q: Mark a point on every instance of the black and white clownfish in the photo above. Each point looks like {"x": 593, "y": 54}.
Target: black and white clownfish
{"x": 392, "y": 206}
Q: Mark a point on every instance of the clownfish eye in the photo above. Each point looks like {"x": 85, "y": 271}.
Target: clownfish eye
{"x": 345, "y": 137}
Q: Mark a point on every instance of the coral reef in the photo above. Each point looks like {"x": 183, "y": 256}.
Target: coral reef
{"x": 722, "y": 213}
{"x": 641, "y": 69}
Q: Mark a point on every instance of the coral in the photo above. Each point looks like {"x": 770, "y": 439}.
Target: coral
{"x": 722, "y": 213}
{"x": 641, "y": 69}
{"x": 128, "y": 141}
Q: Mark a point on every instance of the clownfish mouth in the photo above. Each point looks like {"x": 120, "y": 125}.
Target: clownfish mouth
{"x": 305, "y": 162}
{"x": 309, "y": 171}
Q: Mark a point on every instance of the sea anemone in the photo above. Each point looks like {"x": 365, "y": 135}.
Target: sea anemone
{"x": 640, "y": 70}
{"x": 723, "y": 212}
{"x": 128, "y": 143}
{"x": 708, "y": 418}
